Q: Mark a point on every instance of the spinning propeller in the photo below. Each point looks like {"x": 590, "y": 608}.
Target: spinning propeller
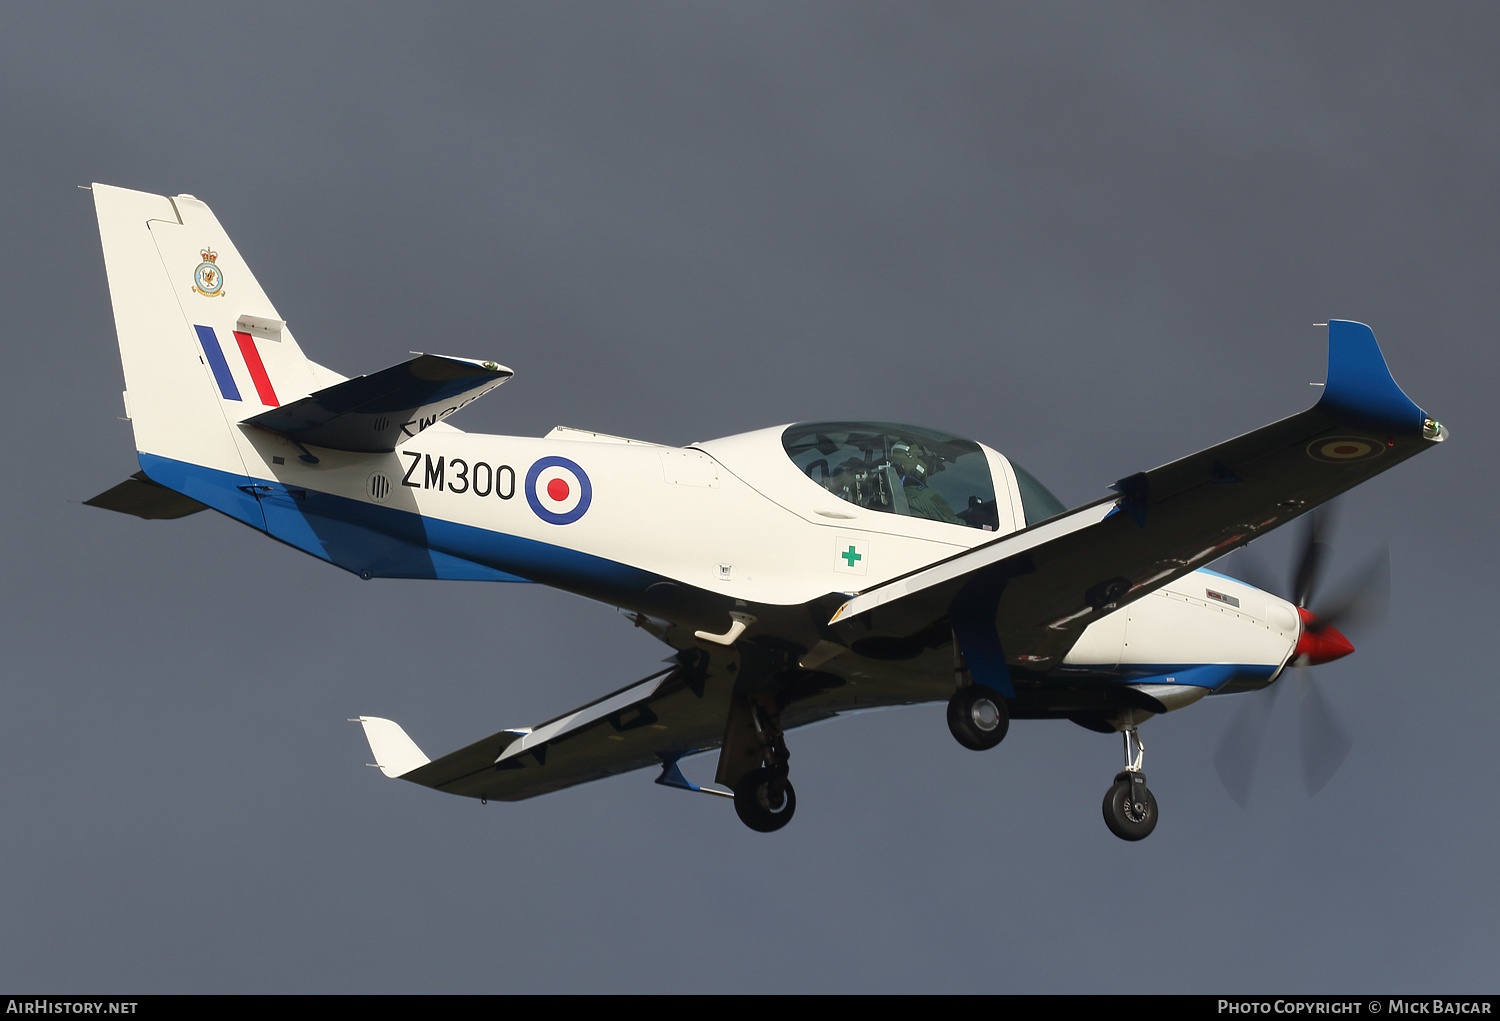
{"x": 1325, "y": 744}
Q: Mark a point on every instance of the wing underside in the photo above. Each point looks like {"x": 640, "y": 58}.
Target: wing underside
{"x": 672, "y": 713}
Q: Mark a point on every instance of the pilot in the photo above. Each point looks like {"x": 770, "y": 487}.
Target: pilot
{"x": 852, "y": 481}
{"x": 914, "y": 464}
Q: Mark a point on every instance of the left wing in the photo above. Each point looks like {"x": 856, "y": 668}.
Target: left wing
{"x": 653, "y": 722}
{"x": 1024, "y": 599}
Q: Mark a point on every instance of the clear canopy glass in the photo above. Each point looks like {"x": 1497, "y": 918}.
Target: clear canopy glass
{"x": 897, "y": 469}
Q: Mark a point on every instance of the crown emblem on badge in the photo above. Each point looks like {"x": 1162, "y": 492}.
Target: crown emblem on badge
{"x": 208, "y": 279}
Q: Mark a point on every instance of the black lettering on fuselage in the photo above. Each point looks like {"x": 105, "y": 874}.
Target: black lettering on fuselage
{"x": 416, "y": 459}
{"x": 459, "y": 476}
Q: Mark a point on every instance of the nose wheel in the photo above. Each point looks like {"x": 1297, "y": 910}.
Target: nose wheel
{"x": 1129, "y": 805}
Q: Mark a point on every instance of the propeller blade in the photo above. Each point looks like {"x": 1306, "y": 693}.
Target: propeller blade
{"x": 1313, "y": 556}
{"x": 1365, "y": 601}
{"x": 1251, "y": 570}
{"x": 1239, "y": 748}
{"x": 1325, "y": 744}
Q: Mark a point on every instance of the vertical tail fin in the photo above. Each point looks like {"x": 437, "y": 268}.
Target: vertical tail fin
{"x": 202, "y": 346}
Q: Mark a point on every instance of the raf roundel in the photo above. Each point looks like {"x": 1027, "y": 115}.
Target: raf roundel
{"x": 1343, "y": 449}
{"x": 558, "y": 490}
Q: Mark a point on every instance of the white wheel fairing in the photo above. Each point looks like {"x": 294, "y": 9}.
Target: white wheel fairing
{"x": 558, "y": 490}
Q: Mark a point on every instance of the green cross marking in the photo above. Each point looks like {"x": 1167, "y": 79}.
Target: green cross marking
{"x": 852, "y": 556}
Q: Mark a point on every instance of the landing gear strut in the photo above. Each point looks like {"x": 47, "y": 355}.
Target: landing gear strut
{"x": 763, "y": 798}
{"x": 1129, "y": 806}
{"x": 977, "y": 716}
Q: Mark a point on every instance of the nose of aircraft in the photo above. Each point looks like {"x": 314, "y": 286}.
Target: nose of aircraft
{"x": 1319, "y": 642}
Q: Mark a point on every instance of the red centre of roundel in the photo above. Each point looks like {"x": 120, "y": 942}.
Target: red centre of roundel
{"x": 1346, "y": 448}
{"x": 557, "y": 489}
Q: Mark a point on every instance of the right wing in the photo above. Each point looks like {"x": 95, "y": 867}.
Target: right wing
{"x": 1025, "y": 598}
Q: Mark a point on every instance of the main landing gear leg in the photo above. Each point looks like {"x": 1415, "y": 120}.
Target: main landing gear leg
{"x": 763, "y": 798}
{"x": 1129, "y": 807}
{"x": 977, "y": 716}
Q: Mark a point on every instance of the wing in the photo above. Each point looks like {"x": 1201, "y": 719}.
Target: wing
{"x": 653, "y": 722}
{"x": 1023, "y": 600}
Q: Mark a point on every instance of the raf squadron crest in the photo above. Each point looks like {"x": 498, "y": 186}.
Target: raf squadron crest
{"x": 208, "y": 279}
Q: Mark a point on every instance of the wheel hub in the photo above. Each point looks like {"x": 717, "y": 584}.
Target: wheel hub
{"x": 985, "y": 714}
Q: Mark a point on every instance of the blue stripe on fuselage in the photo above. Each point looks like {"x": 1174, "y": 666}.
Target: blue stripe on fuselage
{"x": 1202, "y": 675}
{"x": 384, "y": 542}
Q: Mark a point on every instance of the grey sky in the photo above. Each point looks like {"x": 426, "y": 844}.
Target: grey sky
{"x": 1094, "y": 236}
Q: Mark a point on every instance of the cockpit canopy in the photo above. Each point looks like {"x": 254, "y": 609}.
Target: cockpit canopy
{"x": 897, "y": 469}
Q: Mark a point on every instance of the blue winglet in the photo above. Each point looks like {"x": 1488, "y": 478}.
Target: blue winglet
{"x": 1360, "y": 385}
{"x": 671, "y": 773}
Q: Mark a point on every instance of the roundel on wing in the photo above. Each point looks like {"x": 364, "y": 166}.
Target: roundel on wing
{"x": 1342, "y": 449}
{"x": 558, "y": 490}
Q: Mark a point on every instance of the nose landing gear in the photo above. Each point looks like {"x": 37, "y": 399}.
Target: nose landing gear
{"x": 1129, "y": 806}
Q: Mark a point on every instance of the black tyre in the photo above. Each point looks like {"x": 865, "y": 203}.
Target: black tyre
{"x": 1130, "y": 810}
{"x": 978, "y": 718}
{"x": 764, "y": 800}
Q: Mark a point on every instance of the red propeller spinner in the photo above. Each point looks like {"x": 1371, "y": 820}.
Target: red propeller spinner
{"x": 1319, "y": 642}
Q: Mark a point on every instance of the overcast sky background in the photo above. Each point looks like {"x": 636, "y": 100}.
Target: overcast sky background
{"x": 1095, "y": 236}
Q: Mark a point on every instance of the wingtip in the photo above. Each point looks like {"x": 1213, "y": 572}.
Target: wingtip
{"x": 1360, "y": 385}
{"x": 395, "y": 753}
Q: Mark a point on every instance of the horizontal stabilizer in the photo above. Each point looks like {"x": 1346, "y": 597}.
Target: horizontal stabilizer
{"x": 140, "y": 496}
{"x": 395, "y": 753}
{"x": 373, "y": 414}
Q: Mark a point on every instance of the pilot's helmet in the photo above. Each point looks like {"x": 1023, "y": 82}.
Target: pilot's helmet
{"x": 915, "y": 461}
